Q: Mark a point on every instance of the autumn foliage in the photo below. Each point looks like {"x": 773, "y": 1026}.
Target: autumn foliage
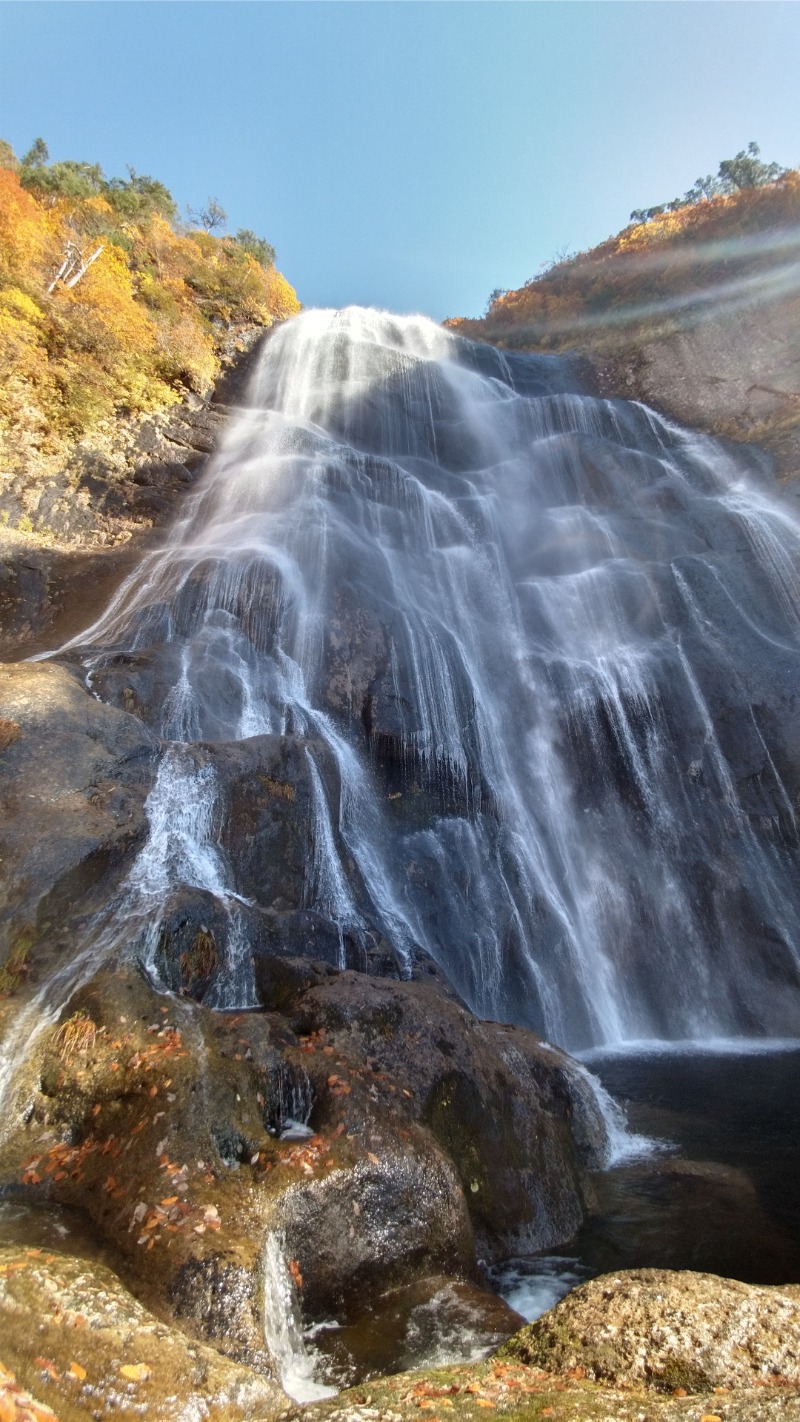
{"x": 145, "y": 321}
{"x": 659, "y": 272}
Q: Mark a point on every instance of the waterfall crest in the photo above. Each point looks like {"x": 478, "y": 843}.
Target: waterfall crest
{"x": 550, "y": 644}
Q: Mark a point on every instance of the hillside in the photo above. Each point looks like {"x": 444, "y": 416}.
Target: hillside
{"x": 112, "y": 312}
{"x": 694, "y": 308}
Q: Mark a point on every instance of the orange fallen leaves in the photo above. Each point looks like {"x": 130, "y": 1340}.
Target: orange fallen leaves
{"x": 17, "y": 1405}
{"x": 77, "y": 1371}
{"x": 135, "y": 1372}
{"x": 48, "y": 1366}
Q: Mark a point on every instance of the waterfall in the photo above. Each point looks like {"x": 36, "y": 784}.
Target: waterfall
{"x": 550, "y": 644}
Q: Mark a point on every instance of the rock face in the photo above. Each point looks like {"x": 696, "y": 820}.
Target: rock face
{"x": 735, "y": 373}
{"x": 90, "y": 522}
{"x": 665, "y": 1330}
{"x": 79, "y": 1340}
{"x": 75, "y": 774}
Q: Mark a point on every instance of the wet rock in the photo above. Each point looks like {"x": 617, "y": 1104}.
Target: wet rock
{"x": 399, "y": 1212}
{"x": 75, "y": 775}
{"x": 668, "y": 1212}
{"x": 417, "y": 1326}
{"x": 79, "y": 1340}
{"x": 516, "y": 1117}
{"x": 668, "y": 1330}
{"x": 241, "y": 1164}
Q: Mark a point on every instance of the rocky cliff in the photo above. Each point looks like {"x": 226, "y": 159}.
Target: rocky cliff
{"x": 695, "y": 312}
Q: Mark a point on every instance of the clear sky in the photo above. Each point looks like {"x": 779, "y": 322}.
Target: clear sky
{"x": 408, "y": 155}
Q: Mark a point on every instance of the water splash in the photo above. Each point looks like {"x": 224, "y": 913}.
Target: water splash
{"x": 295, "y": 1357}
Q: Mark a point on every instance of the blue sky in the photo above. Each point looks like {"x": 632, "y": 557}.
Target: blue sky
{"x": 408, "y": 155}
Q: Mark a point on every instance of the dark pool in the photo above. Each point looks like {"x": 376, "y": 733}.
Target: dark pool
{"x": 723, "y": 1197}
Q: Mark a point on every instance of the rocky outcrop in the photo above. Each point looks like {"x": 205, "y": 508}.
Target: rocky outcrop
{"x": 522, "y": 1394}
{"x": 75, "y": 775}
{"x": 655, "y": 1328}
{"x": 75, "y": 528}
{"x": 734, "y": 373}
{"x": 80, "y": 1341}
{"x": 646, "y": 1344}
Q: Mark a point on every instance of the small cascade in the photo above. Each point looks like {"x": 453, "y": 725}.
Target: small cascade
{"x": 296, "y": 1359}
{"x": 291, "y": 1101}
{"x": 182, "y": 850}
{"x": 550, "y": 646}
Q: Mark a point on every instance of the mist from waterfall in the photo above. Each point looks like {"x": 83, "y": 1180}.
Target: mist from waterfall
{"x": 550, "y": 643}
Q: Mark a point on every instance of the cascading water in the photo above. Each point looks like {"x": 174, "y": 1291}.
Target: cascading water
{"x": 550, "y": 643}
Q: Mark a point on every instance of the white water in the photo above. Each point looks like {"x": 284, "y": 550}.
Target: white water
{"x": 295, "y": 1357}
{"x": 550, "y": 644}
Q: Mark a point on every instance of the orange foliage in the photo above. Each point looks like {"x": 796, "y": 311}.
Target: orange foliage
{"x": 655, "y": 269}
{"x": 142, "y": 323}
{"x": 29, "y": 235}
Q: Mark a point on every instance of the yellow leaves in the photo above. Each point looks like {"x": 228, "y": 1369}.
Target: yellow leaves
{"x": 281, "y": 298}
{"x": 143, "y": 323}
{"x": 28, "y": 233}
{"x": 135, "y": 1372}
{"x": 77, "y": 1371}
{"x": 185, "y": 351}
{"x": 18, "y": 303}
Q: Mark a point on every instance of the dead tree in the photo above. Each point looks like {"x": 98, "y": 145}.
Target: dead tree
{"x": 73, "y": 267}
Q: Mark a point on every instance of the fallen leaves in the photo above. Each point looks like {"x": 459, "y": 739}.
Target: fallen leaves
{"x": 77, "y": 1371}
{"x": 135, "y": 1372}
{"x": 307, "y": 1156}
{"x": 17, "y": 1405}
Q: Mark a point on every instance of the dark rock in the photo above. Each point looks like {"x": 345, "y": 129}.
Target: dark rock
{"x": 516, "y": 1117}
{"x": 79, "y": 827}
{"x": 416, "y": 1326}
{"x": 300, "y": 1156}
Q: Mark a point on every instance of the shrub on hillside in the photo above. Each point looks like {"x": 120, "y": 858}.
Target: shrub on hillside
{"x": 106, "y": 302}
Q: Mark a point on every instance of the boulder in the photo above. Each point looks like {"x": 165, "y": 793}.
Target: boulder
{"x": 665, "y": 1330}
{"x": 81, "y": 1342}
{"x": 324, "y": 1156}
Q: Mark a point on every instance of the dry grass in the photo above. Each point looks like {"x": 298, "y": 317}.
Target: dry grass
{"x": 15, "y": 967}
{"x": 199, "y": 961}
{"x": 9, "y": 732}
{"x": 76, "y": 1036}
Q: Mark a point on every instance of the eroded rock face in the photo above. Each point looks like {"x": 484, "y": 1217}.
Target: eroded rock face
{"x": 668, "y": 1330}
{"x": 79, "y": 1340}
{"x": 734, "y": 373}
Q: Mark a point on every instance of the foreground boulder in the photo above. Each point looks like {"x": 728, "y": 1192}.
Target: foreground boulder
{"x": 82, "y": 1344}
{"x": 519, "y": 1393}
{"x": 334, "y": 1159}
{"x": 666, "y": 1330}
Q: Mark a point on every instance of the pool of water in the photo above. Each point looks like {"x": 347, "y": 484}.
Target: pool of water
{"x": 721, "y": 1196}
